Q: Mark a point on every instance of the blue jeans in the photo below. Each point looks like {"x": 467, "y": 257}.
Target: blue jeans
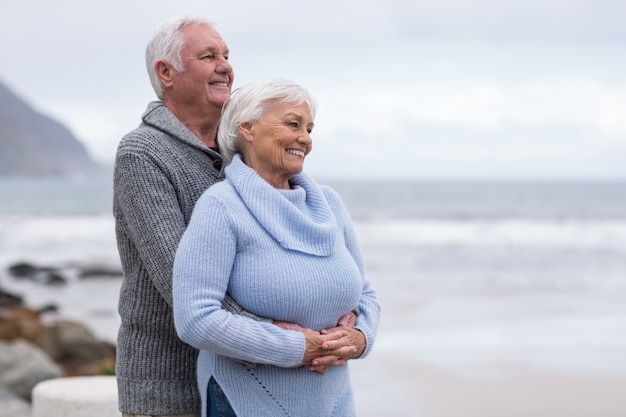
{"x": 218, "y": 403}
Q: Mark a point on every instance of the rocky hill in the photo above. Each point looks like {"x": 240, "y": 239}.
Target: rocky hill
{"x": 33, "y": 144}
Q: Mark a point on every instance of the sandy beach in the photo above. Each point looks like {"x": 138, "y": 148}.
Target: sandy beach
{"x": 390, "y": 386}
{"x": 495, "y": 354}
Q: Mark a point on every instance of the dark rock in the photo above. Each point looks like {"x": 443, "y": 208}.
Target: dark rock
{"x": 50, "y": 275}
{"x": 31, "y": 352}
{"x": 76, "y": 349}
{"x": 42, "y": 275}
{"x": 48, "y": 308}
{"x": 21, "y": 323}
{"x": 23, "y": 270}
{"x": 99, "y": 271}
{"x": 8, "y": 299}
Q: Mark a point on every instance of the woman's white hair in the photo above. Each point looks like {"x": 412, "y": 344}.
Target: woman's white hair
{"x": 166, "y": 44}
{"x": 249, "y": 103}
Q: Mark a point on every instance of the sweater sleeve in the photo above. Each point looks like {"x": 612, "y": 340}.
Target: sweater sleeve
{"x": 202, "y": 268}
{"x": 369, "y": 307}
{"x": 154, "y": 219}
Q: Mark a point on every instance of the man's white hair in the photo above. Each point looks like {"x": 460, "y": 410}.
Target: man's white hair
{"x": 167, "y": 43}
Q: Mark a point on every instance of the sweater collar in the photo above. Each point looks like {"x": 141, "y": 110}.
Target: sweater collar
{"x": 299, "y": 219}
{"x": 160, "y": 117}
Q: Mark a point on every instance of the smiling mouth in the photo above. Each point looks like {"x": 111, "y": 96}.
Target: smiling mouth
{"x": 296, "y": 152}
{"x": 219, "y": 84}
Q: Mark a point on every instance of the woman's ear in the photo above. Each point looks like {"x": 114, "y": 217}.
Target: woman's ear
{"x": 246, "y": 130}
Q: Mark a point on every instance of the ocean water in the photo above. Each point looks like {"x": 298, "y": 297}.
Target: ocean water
{"x": 475, "y": 278}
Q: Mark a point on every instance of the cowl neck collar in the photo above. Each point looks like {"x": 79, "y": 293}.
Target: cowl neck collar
{"x": 298, "y": 219}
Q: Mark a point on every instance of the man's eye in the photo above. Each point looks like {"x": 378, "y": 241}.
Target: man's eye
{"x": 208, "y": 57}
{"x": 309, "y": 130}
{"x": 293, "y": 124}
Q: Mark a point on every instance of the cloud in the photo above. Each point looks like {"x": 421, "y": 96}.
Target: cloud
{"x": 480, "y": 106}
{"x": 448, "y": 87}
{"x": 580, "y": 21}
{"x": 473, "y": 129}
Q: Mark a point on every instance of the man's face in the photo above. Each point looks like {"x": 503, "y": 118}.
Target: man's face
{"x": 207, "y": 78}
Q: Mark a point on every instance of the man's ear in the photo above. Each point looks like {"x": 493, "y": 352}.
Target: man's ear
{"x": 165, "y": 72}
{"x": 246, "y": 130}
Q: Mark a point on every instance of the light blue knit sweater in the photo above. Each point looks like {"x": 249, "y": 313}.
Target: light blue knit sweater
{"x": 290, "y": 255}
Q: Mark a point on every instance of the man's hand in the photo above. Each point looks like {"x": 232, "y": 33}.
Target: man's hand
{"x": 285, "y": 325}
{"x": 348, "y": 320}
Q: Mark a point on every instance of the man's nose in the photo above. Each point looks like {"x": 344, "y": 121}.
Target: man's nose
{"x": 224, "y": 66}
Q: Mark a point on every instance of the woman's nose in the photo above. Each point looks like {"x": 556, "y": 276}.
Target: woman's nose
{"x": 305, "y": 138}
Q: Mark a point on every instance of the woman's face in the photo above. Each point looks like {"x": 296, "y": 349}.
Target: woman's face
{"x": 275, "y": 146}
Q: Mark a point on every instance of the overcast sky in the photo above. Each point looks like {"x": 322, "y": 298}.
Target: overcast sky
{"x": 423, "y": 89}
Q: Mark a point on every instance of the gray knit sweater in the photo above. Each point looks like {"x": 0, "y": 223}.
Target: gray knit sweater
{"x": 161, "y": 169}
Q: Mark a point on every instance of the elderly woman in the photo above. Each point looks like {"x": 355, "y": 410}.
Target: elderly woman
{"x": 284, "y": 248}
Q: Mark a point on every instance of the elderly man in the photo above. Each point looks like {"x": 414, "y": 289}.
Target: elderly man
{"x": 161, "y": 169}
